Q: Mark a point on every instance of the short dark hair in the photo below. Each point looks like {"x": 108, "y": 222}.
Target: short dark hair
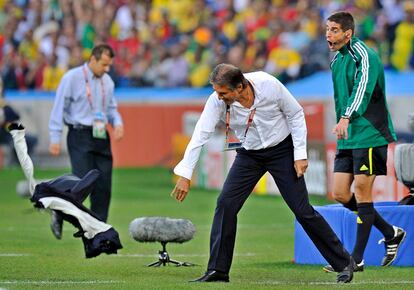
{"x": 225, "y": 74}
{"x": 345, "y": 19}
{"x": 100, "y": 49}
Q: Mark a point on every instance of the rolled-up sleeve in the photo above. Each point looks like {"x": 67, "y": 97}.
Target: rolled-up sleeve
{"x": 296, "y": 122}
{"x": 203, "y": 130}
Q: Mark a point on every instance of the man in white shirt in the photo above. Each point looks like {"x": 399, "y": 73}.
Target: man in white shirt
{"x": 271, "y": 126}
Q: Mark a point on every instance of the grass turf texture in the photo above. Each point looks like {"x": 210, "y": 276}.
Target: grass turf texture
{"x": 31, "y": 258}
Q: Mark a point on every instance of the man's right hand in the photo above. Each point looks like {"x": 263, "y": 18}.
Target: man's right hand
{"x": 181, "y": 189}
{"x": 54, "y": 149}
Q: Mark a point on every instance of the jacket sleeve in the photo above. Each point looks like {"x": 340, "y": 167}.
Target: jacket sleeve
{"x": 366, "y": 77}
{"x": 10, "y": 114}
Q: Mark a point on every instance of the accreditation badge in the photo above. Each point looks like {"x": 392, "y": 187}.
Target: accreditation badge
{"x": 233, "y": 146}
{"x": 99, "y": 126}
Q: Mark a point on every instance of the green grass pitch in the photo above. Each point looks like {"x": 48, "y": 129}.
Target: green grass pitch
{"x": 31, "y": 258}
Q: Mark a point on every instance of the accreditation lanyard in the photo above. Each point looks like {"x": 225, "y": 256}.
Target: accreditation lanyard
{"x": 249, "y": 122}
{"x": 89, "y": 91}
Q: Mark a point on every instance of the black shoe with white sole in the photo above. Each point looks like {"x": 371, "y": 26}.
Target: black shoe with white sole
{"x": 392, "y": 245}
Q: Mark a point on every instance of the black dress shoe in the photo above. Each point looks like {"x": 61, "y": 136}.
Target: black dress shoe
{"x": 213, "y": 276}
{"x": 358, "y": 268}
{"x": 346, "y": 275}
{"x": 56, "y": 225}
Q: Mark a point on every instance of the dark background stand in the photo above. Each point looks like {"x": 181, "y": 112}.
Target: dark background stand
{"x": 164, "y": 259}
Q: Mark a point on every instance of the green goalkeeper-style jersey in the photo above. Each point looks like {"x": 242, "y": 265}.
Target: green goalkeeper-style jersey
{"x": 359, "y": 93}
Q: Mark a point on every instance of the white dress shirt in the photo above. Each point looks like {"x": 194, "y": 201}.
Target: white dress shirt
{"x": 278, "y": 114}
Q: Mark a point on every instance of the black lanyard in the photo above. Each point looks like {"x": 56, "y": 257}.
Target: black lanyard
{"x": 89, "y": 91}
{"x": 249, "y": 122}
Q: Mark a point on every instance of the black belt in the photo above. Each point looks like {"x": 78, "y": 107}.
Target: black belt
{"x": 79, "y": 127}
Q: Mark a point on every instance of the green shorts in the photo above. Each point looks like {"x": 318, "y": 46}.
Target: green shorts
{"x": 369, "y": 161}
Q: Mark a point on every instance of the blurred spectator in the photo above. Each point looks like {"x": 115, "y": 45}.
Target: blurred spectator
{"x": 87, "y": 29}
{"x": 76, "y": 57}
{"x": 283, "y": 62}
{"x": 393, "y": 12}
{"x": 314, "y": 55}
{"x": 29, "y": 47}
{"x": 128, "y": 17}
{"x": 200, "y": 66}
{"x": 14, "y": 71}
{"x": 52, "y": 73}
{"x": 403, "y": 47}
{"x": 35, "y": 75}
{"x": 141, "y": 63}
{"x": 52, "y": 49}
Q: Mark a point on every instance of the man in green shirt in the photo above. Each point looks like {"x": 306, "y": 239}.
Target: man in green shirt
{"x": 364, "y": 129}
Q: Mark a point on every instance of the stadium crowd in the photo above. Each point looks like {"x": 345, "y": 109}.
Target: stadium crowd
{"x": 172, "y": 43}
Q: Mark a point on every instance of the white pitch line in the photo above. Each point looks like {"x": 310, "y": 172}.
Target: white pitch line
{"x": 14, "y": 255}
{"x": 376, "y": 282}
{"x": 243, "y": 226}
{"x": 137, "y": 255}
{"x": 70, "y": 282}
{"x": 176, "y": 255}
{"x": 150, "y": 256}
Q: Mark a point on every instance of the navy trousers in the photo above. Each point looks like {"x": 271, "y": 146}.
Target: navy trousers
{"x": 248, "y": 167}
{"x": 87, "y": 153}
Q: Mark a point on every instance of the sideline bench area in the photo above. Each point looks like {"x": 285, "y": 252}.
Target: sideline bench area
{"x": 344, "y": 223}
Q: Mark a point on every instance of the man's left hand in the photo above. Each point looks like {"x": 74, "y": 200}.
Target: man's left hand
{"x": 300, "y": 167}
{"x": 341, "y": 129}
{"x": 118, "y": 132}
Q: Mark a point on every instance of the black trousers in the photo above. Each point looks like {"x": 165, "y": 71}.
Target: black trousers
{"x": 87, "y": 153}
{"x": 248, "y": 167}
